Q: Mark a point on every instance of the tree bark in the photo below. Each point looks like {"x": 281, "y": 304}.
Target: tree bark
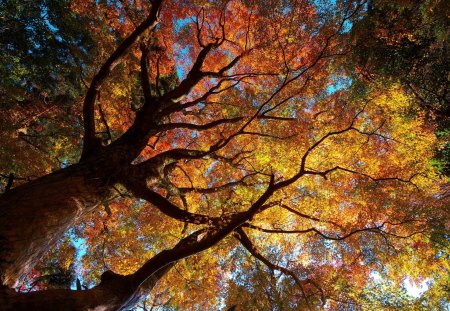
{"x": 115, "y": 292}
{"x": 111, "y": 294}
{"x": 34, "y": 216}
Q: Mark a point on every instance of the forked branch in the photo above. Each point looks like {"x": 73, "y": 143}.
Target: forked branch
{"x": 89, "y": 141}
{"x": 245, "y": 241}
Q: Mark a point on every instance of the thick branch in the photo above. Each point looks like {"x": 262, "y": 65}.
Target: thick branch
{"x": 202, "y": 239}
{"x": 167, "y": 207}
{"x": 192, "y": 78}
{"x": 89, "y": 142}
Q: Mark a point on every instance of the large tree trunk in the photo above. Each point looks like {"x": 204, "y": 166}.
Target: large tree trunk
{"x": 115, "y": 292}
{"x": 110, "y": 294}
{"x": 34, "y": 216}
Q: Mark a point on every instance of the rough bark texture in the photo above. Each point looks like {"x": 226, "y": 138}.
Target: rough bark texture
{"x": 115, "y": 292}
{"x": 34, "y": 216}
{"x": 110, "y": 294}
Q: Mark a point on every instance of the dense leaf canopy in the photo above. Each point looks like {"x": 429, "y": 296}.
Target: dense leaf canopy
{"x": 280, "y": 155}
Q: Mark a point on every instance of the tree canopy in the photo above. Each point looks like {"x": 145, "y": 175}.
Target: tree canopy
{"x": 224, "y": 155}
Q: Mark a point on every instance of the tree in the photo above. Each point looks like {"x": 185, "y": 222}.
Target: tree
{"x": 213, "y": 125}
{"x": 407, "y": 42}
{"x": 44, "y": 47}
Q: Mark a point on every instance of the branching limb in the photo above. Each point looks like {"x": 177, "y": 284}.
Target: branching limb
{"x": 327, "y": 237}
{"x": 195, "y": 75}
{"x": 339, "y": 168}
{"x": 276, "y": 118}
{"x": 218, "y": 188}
{"x": 303, "y": 215}
{"x": 165, "y": 206}
{"x": 199, "y": 26}
{"x": 317, "y": 143}
{"x": 374, "y": 229}
{"x": 201, "y": 239}
{"x": 178, "y": 154}
{"x": 89, "y": 142}
{"x": 146, "y": 276}
{"x": 213, "y": 90}
{"x": 267, "y": 135}
{"x": 374, "y": 133}
{"x": 245, "y": 241}
{"x": 198, "y": 127}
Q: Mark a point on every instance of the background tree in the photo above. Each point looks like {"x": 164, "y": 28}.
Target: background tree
{"x": 44, "y": 47}
{"x": 407, "y": 42}
{"x": 229, "y": 128}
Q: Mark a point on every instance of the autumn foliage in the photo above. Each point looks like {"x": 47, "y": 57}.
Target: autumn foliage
{"x": 220, "y": 154}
